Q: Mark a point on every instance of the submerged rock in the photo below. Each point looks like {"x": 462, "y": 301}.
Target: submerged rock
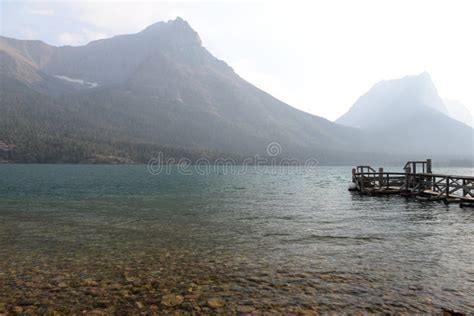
{"x": 245, "y": 309}
{"x": 101, "y": 304}
{"x": 172, "y": 300}
{"x": 25, "y": 302}
{"x": 89, "y": 282}
{"x": 215, "y": 302}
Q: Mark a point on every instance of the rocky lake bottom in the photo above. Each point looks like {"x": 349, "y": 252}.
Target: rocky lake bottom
{"x": 103, "y": 240}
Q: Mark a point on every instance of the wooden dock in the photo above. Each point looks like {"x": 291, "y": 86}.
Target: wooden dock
{"x": 417, "y": 181}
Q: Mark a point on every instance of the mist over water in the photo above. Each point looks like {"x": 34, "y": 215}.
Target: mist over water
{"x": 285, "y": 241}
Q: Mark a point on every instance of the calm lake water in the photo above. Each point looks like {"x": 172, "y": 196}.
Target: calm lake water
{"x": 117, "y": 239}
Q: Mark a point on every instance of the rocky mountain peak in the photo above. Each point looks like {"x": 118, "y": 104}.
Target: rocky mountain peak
{"x": 177, "y": 30}
{"x": 397, "y": 98}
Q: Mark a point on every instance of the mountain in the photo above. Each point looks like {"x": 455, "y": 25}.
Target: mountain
{"x": 459, "y": 111}
{"x": 396, "y": 99}
{"x": 159, "y": 87}
{"x": 126, "y": 98}
{"x": 408, "y": 115}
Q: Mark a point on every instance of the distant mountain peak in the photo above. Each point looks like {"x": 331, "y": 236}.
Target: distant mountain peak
{"x": 425, "y": 74}
{"x": 179, "y": 20}
{"x": 394, "y": 98}
{"x": 408, "y": 114}
{"x": 177, "y": 30}
{"x": 424, "y": 78}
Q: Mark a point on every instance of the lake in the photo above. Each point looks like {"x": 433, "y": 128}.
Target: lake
{"x": 116, "y": 239}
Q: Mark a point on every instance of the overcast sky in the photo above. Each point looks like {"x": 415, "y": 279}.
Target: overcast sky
{"x": 318, "y": 56}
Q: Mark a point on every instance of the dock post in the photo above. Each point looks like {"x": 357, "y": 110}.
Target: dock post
{"x": 407, "y": 177}
{"x": 447, "y": 187}
{"x": 465, "y": 189}
{"x": 428, "y": 170}
{"x": 380, "y": 178}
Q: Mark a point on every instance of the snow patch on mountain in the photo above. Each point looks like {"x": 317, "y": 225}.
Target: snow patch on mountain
{"x": 78, "y": 81}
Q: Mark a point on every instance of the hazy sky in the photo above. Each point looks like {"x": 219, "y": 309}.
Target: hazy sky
{"x": 318, "y": 56}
